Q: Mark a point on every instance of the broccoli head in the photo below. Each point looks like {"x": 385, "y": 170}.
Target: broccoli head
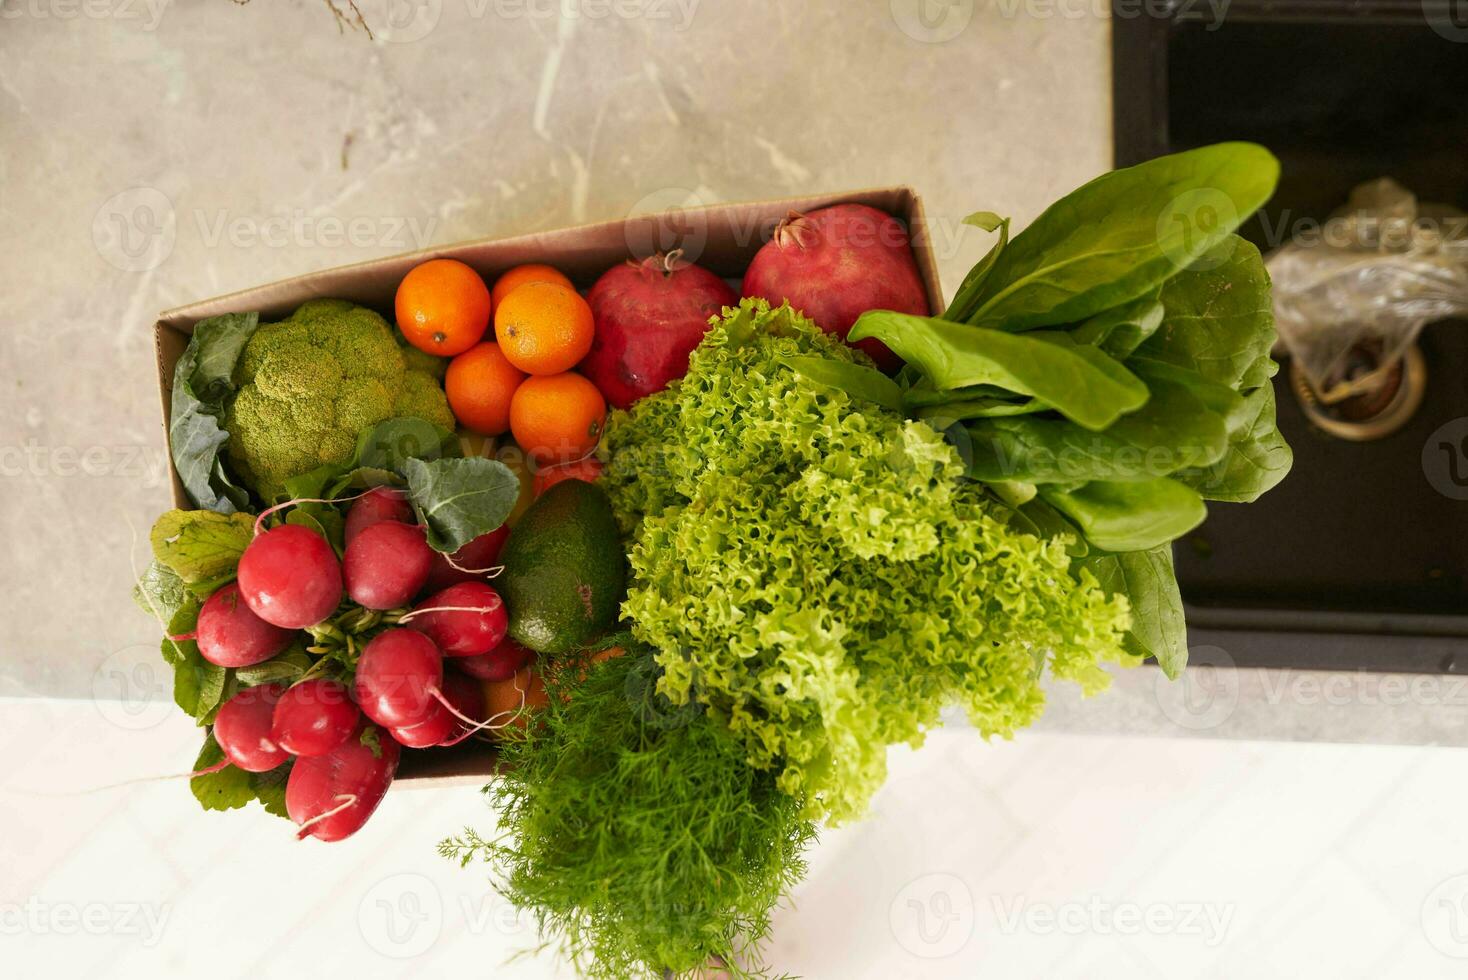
{"x": 308, "y": 385}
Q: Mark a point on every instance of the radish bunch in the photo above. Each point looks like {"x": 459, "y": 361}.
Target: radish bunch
{"x": 343, "y": 724}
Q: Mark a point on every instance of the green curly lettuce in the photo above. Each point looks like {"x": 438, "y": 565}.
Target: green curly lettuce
{"x": 817, "y": 572}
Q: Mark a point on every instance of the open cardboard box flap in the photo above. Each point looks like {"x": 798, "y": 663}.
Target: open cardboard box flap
{"x": 721, "y": 237}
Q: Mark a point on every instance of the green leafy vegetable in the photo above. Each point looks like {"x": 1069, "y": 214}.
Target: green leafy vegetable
{"x": 460, "y": 499}
{"x": 1120, "y": 330}
{"x": 1078, "y": 381}
{"x": 160, "y": 593}
{"x": 814, "y": 570}
{"x": 201, "y": 547}
{"x": 1132, "y": 516}
{"x": 966, "y": 299}
{"x": 637, "y": 833}
{"x": 1174, "y": 431}
{"x": 231, "y": 787}
{"x": 857, "y": 380}
{"x": 1257, "y": 459}
{"x": 1119, "y": 236}
{"x": 1217, "y": 320}
{"x": 201, "y": 386}
{"x": 1146, "y": 578}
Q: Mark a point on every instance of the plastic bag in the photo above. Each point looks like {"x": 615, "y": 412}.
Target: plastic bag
{"x": 1370, "y": 277}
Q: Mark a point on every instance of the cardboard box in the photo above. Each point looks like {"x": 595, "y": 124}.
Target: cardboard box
{"x": 722, "y": 237}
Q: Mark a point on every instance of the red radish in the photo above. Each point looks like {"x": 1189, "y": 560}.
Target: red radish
{"x": 648, "y": 316}
{"x": 464, "y": 620}
{"x": 242, "y": 729}
{"x": 375, "y": 506}
{"x": 331, "y": 796}
{"x": 499, "y": 664}
{"x": 836, "y": 263}
{"x": 386, "y": 564}
{"x": 449, "y": 724}
{"x": 230, "y": 635}
{"x": 290, "y": 577}
{"x": 399, "y": 675}
{"x": 470, "y": 563}
{"x": 587, "y": 469}
{"x": 438, "y": 727}
{"x": 314, "y": 717}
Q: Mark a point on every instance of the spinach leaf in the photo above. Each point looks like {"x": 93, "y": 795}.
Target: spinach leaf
{"x": 946, "y": 413}
{"x": 1120, "y": 330}
{"x": 201, "y": 385}
{"x": 1130, "y": 516}
{"x": 1257, "y": 459}
{"x": 1175, "y": 430}
{"x": 967, "y": 296}
{"x": 1080, "y": 382}
{"x": 1218, "y": 321}
{"x": 460, "y": 499}
{"x": 1146, "y": 578}
{"x": 857, "y": 380}
{"x": 1119, "y": 236}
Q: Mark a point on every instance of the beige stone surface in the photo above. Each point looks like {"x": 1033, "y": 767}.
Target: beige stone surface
{"x": 153, "y": 153}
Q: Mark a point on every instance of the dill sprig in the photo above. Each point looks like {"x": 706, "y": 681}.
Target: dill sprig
{"x": 636, "y": 831}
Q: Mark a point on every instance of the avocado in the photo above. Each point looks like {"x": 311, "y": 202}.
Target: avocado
{"x": 565, "y": 572}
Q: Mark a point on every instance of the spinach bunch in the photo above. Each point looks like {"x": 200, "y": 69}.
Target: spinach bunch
{"x": 1108, "y": 370}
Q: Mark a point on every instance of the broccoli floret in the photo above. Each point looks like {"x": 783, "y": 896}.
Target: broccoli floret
{"x": 310, "y": 383}
{"x": 420, "y": 360}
